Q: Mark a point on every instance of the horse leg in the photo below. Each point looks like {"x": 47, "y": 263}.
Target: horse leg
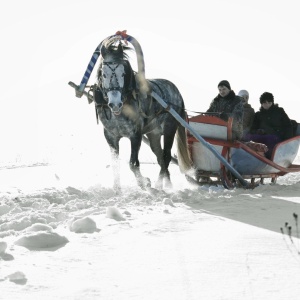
{"x": 134, "y": 163}
{"x": 113, "y": 143}
{"x": 155, "y": 145}
{"x": 116, "y": 169}
{"x": 168, "y": 143}
{"x": 169, "y": 135}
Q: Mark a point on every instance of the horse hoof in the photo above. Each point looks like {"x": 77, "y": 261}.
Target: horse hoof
{"x": 147, "y": 182}
{"x": 144, "y": 183}
{"x": 117, "y": 189}
{"x": 158, "y": 185}
{"x": 118, "y": 192}
{"x": 168, "y": 185}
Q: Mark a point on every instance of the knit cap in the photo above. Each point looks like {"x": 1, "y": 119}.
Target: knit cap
{"x": 224, "y": 83}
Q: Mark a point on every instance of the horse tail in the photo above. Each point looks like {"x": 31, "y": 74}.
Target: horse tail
{"x": 183, "y": 153}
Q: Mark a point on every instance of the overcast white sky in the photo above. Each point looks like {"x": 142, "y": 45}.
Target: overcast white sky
{"x": 195, "y": 44}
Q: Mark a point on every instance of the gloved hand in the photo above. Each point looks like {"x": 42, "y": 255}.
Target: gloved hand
{"x": 261, "y": 131}
{"x": 224, "y": 116}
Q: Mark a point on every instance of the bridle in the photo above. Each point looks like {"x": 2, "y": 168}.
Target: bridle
{"x": 113, "y": 75}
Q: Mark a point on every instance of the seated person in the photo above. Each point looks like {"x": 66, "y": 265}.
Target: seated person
{"x": 248, "y": 112}
{"x": 271, "y": 124}
{"x": 229, "y": 105}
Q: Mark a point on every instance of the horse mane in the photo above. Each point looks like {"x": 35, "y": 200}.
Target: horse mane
{"x": 114, "y": 52}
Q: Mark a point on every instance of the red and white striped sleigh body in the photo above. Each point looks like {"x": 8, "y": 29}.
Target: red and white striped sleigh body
{"x": 249, "y": 163}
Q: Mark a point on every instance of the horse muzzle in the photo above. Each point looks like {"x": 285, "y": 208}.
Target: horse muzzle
{"x": 115, "y": 102}
{"x": 116, "y": 109}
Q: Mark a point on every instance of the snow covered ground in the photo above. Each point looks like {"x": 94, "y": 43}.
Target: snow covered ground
{"x": 65, "y": 234}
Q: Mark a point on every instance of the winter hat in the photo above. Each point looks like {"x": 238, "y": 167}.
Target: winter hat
{"x": 266, "y": 97}
{"x": 243, "y": 93}
{"x": 224, "y": 83}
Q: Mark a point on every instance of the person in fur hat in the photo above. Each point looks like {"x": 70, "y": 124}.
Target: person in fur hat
{"x": 248, "y": 112}
{"x": 228, "y": 104}
{"x": 271, "y": 124}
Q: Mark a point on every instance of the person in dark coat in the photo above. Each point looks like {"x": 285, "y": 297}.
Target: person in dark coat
{"x": 229, "y": 105}
{"x": 271, "y": 124}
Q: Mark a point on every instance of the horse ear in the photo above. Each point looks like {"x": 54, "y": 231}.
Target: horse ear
{"x": 120, "y": 48}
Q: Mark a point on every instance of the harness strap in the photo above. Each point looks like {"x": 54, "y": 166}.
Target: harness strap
{"x": 97, "y": 117}
{"x": 168, "y": 108}
{"x": 140, "y": 106}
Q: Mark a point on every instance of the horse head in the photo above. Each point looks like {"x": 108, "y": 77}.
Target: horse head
{"x": 115, "y": 76}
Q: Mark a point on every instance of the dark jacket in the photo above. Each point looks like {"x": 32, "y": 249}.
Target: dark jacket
{"x": 248, "y": 117}
{"x": 273, "y": 121}
{"x": 230, "y": 106}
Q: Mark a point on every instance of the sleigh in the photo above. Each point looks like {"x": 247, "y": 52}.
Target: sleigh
{"x": 252, "y": 165}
